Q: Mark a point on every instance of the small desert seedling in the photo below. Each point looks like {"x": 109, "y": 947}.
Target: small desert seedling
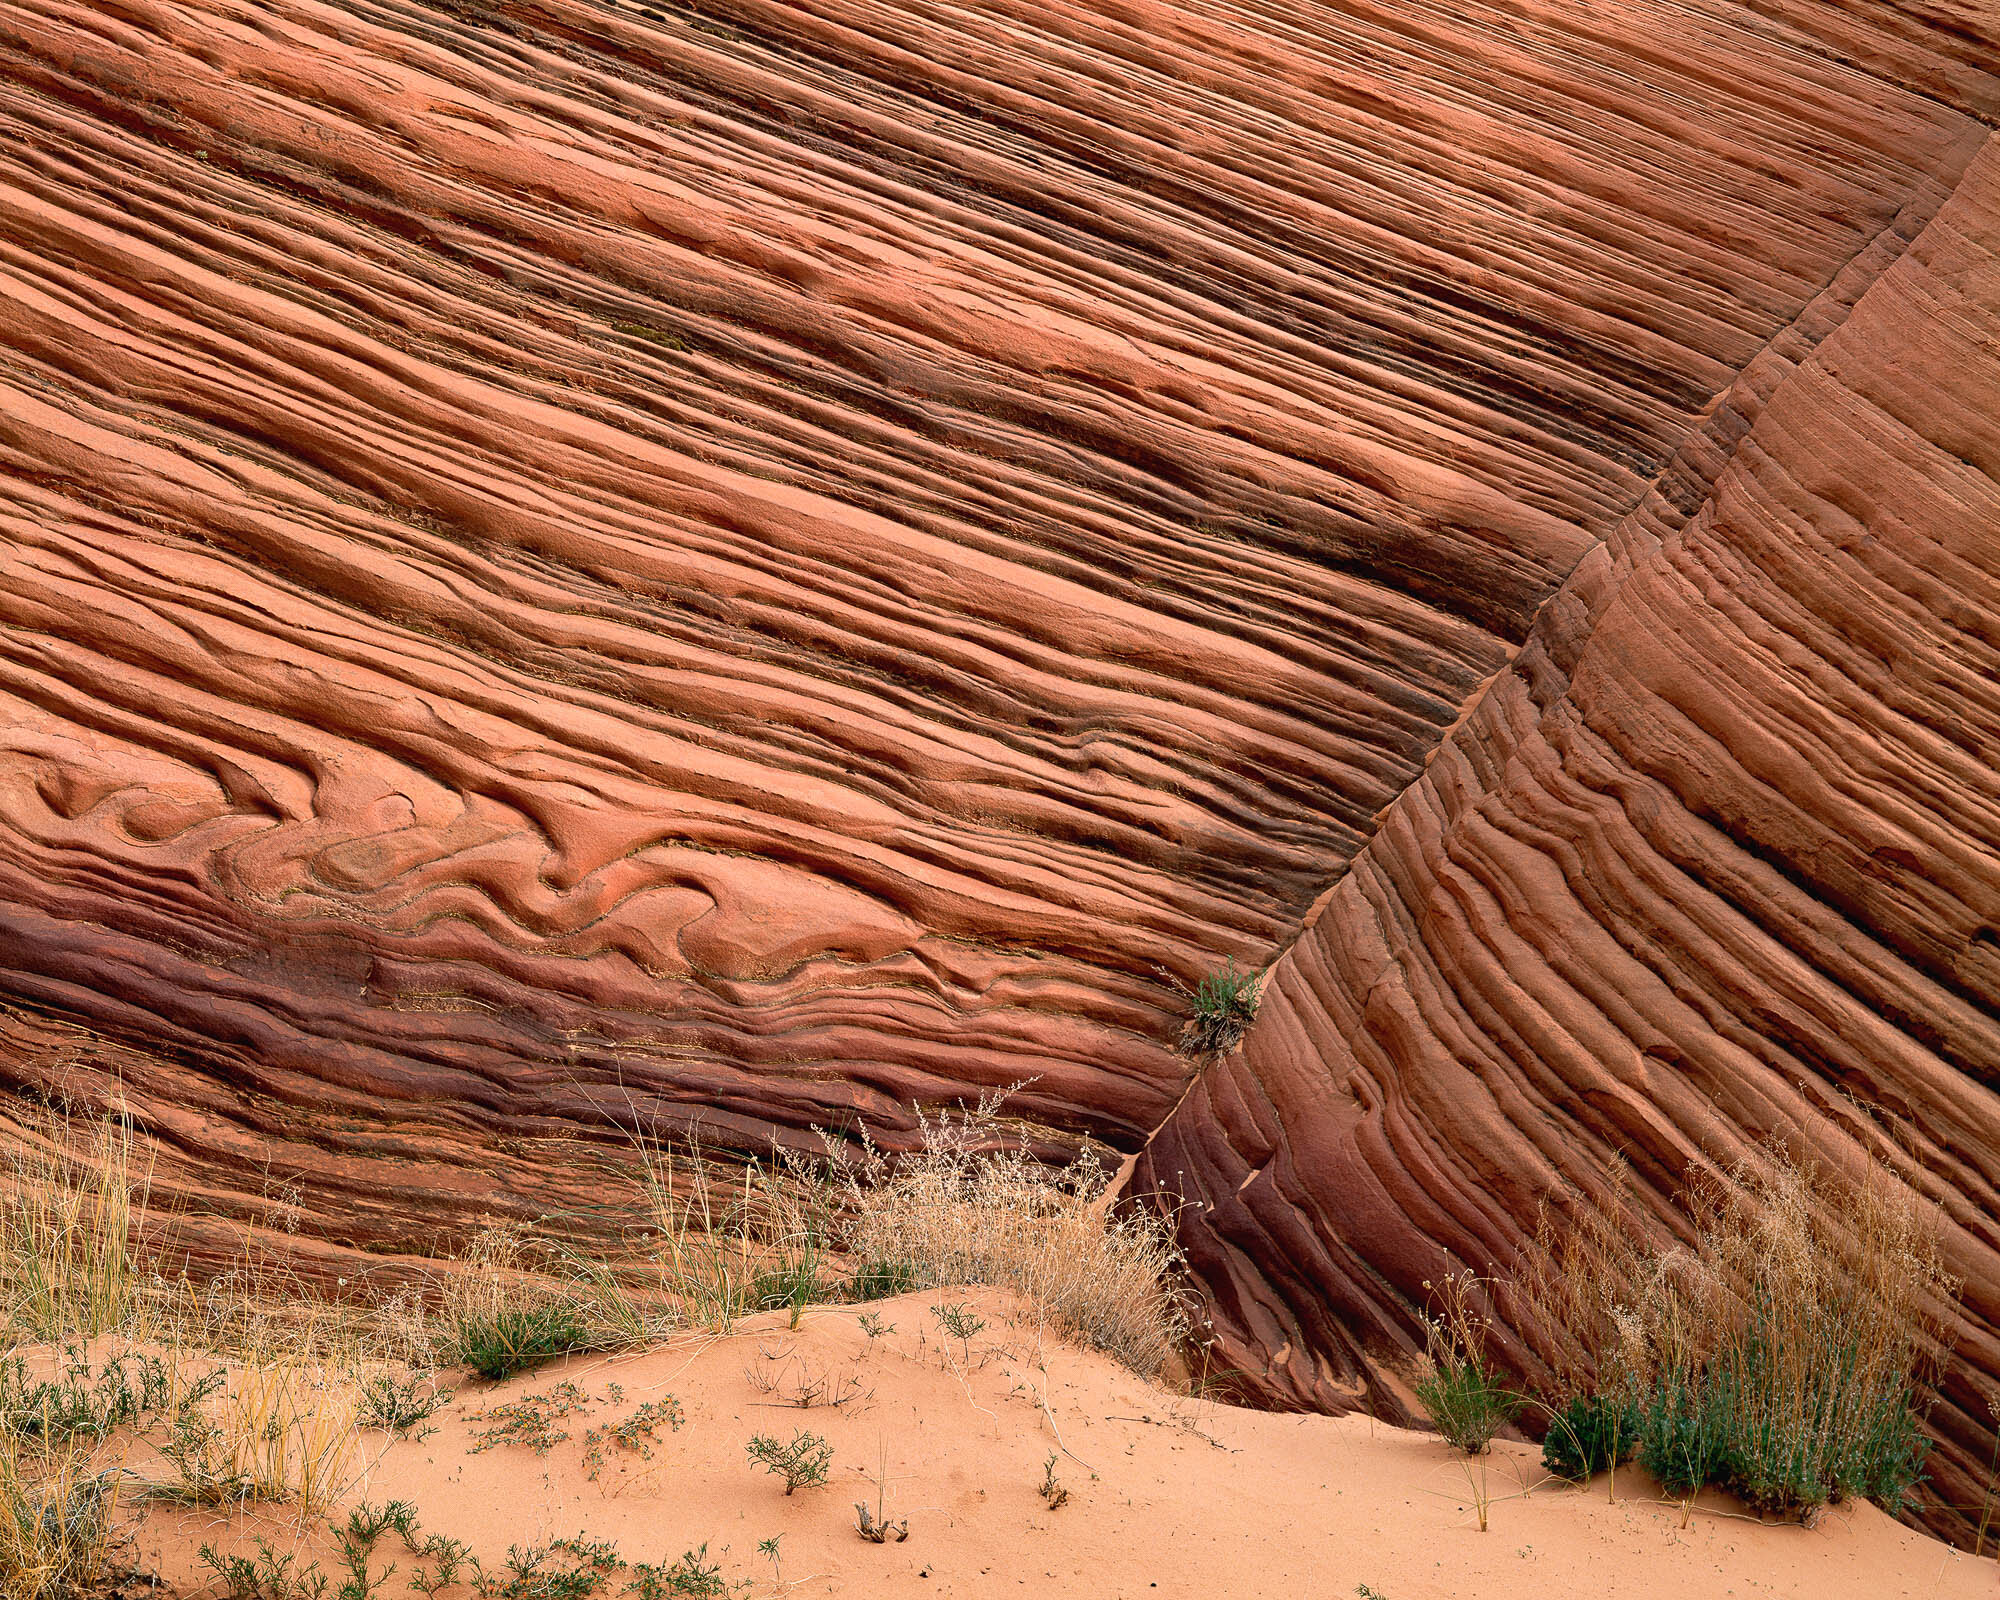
{"x": 803, "y": 1463}
{"x": 768, "y": 1549}
{"x": 873, "y": 1325}
{"x": 516, "y": 1338}
{"x": 1224, "y": 1004}
{"x": 267, "y": 1576}
{"x": 637, "y": 1433}
{"x": 365, "y": 1526}
{"x": 693, "y": 1577}
{"x": 1052, "y": 1491}
{"x": 452, "y": 1557}
{"x": 530, "y": 1421}
{"x": 397, "y": 1404}
{"x": 1363, "y": 1592}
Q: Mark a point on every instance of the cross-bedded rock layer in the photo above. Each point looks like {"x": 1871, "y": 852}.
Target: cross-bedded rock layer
{"x": 566, "y": 565}
{"x": 1712, "y": 864}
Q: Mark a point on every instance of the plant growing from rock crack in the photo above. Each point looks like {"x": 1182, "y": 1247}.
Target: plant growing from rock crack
{"x": 1223, "y": 1005}
{"x": 802, "y": 1463}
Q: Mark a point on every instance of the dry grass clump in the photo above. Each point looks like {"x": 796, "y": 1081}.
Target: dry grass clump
{"x": 972, "y": 1207}
{"x": 1782, "y": 1355}
{"x": 57, "y": 1506}
{"x": 67, "y": 1209}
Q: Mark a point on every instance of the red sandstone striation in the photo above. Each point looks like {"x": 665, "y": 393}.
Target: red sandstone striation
{"x": 566, "y": 565}
{"x": 1712, "y": 863}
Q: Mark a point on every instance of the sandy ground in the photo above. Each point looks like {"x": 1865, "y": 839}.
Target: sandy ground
{"x": 1167, "y": 1497}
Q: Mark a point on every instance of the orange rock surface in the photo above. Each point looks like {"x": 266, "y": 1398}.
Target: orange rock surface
{"x": 574, "y": 565}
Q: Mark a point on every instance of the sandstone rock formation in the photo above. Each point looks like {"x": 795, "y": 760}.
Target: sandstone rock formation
{"x": 568, "y": 565}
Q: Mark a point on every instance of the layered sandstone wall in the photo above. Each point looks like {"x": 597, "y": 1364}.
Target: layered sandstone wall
{"x": 570, "y": 565}
{"x": 1713, "y": 864}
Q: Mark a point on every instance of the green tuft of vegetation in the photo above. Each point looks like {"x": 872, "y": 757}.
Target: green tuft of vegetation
{"x": 516, "y": 1338}
{"x": 882, "y": 1279}
{"x": 1458, "y": 1389}
{"x": 529, "y": 1421}
{"x": 559, "y": 1569}
{"x": 265, "y": 1576}
{"x": 1224, "y": 1005}
{"x": 1590, "y": 1435}
{"x": 1780, "y": 1356}
{"x": 382, "y": 1400}
{"x": 692, "y": 1577}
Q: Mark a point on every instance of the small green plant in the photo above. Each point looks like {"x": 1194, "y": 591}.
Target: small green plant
{"x": 266, "y": 1576}
{"x": 1053, "y": 1491}
{"x": 450, "y": 1557}
{"x": 398, "y": 1404}
{"x": 365, "y": 1526}
{"x": 802, "y": 1463}
{"x": 960, "y": 1322}
{"x": 692, "y": 1577}
{"x": 560, "y": 1569}
{"x": 873, "y": 1325}
{"x": 514, "y": 1338}
{"x": 768, "y": 1549}
{"x": 1224, "y": 1005}
{"x": 1591, "y": 1434}
{"x": 795, "y": 1284}
{"x": 882, "y": 1279}
{"x": 1363, "y": 1592}
{"x": 530, "y": 1421}
{"x": 1462, "y": 1395}
{"x": 637, "y": 1433}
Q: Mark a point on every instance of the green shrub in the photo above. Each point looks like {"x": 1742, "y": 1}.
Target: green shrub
{"x": 516, "y": 1338}
{"x": 802, "y": 1464}
{"x": 1462, "y": 1395}
{"x": 1590, "y": 1435}
{"x": 1781, "y": 1355}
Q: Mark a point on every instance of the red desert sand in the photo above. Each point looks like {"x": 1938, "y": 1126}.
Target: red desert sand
{"x": 1167, "y": 1496}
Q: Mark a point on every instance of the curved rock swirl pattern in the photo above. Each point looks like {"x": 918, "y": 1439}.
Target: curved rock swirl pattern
{"x": 761, "y": 564}
{"x": 1716, "y": 862}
